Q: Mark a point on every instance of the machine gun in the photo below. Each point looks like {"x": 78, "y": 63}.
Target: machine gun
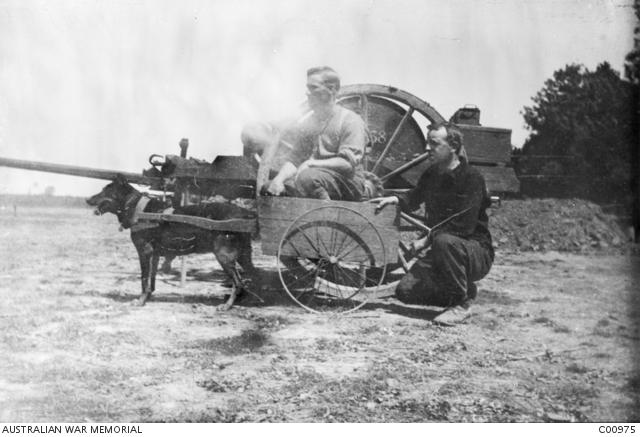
{"x": 186, "y": 180}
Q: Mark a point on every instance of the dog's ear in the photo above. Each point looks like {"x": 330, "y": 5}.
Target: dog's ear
{"x": 121, "y": 180}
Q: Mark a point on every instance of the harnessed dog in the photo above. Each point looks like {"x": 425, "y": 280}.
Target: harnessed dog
{"x": 167, "y": 238}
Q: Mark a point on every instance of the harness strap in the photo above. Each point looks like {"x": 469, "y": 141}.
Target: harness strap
{"x": 140, "y": 206}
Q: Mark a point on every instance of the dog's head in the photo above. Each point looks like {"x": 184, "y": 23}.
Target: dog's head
{"x": 112, "y": 197}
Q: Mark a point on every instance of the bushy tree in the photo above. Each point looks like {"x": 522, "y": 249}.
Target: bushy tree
{"x": 632, "y": 73}
{"x": 587, "y": 117}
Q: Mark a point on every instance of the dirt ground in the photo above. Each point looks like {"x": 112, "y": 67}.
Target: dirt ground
{"x": 555, "y": 336}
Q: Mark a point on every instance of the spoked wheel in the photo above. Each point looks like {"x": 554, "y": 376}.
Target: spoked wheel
{"x": 396, "y": 120}
{"x": 326, "y": 257}
{"x": 394, "y": 272}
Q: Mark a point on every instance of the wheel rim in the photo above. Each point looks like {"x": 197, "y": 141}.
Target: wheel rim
{"x": 323, "y": 263}
{"x": 396, "y": 155}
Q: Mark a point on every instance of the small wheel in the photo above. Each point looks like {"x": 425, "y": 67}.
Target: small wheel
{"x": 406, "y": 256}
{"x": 394, "y": 272}
{"x": 325, "y": 257}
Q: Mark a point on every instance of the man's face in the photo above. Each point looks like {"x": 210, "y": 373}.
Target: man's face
{"x": 440, "y": 153}
{"x": 318, "y": 95}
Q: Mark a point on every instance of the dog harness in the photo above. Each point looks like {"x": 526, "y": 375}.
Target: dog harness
{"x": 140, "y": 206}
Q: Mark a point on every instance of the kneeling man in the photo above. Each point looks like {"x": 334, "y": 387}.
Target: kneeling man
{"x": 455, "y": 198}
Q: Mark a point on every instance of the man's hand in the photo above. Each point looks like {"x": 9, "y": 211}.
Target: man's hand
{"x": 419, "y": 244}
{"x": 384, "y": 201}
{"x": 275, "y": 188}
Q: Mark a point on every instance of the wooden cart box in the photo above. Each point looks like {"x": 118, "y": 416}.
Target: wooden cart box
{"x": 276, "y": 214}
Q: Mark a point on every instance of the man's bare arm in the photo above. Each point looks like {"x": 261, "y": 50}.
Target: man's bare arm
{"x": 336, "y": 163}
{"x": 276, "y": 187}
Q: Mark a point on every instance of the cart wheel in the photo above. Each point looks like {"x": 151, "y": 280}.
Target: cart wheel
{"x": 325, "y": 258}
{"x": 392, "y": 275}
{"x": 394, "y": 118}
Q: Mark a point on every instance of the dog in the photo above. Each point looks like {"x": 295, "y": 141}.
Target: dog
{"x": 170, "y": 239}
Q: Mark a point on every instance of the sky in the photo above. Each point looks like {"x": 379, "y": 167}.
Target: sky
{"x": 106, "y": 83}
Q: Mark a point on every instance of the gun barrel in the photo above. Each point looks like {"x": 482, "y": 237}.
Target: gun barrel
{"x": 72, "y": 170}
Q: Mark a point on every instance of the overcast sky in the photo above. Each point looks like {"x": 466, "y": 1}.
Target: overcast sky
{"x": 107, "y": 83}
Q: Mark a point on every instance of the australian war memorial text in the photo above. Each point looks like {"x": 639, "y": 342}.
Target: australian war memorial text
{"x": 71, "y": 429}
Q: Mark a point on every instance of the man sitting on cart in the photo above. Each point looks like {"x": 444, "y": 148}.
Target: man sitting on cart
{"x": 319, "y": 155}
{"x": 461, "y": 252}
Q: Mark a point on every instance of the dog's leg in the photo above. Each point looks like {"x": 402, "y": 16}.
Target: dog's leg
{"x": 250, "y": 273}
{"x": 236, "y": 288}
{"x": 145, "y": 255}
{"x": 245, "y": 258}
{"x": 226, "y": 250}
{"x": 166, "y": 265}
{"x": 155, "y": 259}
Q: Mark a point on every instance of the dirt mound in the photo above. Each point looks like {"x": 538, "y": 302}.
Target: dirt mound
{"x": 572, "y": 225}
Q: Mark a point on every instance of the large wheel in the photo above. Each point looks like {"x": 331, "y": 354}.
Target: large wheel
{"x": 394, "y": 118}
{"x": 325, "y": 260}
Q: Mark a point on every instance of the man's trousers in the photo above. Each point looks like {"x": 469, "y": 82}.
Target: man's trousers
{"x": 445, "y": 274}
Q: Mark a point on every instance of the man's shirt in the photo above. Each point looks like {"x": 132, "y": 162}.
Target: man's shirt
{"x": 445, "y": 194}
{"x": 342, "y": 134}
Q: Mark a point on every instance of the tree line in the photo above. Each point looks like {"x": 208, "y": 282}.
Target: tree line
{"x": 584, "y": 133}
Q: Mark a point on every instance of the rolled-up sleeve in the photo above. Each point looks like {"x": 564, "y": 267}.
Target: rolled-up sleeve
{"x": 353, "y": 139}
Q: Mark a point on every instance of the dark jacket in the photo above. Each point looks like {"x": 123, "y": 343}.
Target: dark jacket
{"x": 445, "y": 194}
